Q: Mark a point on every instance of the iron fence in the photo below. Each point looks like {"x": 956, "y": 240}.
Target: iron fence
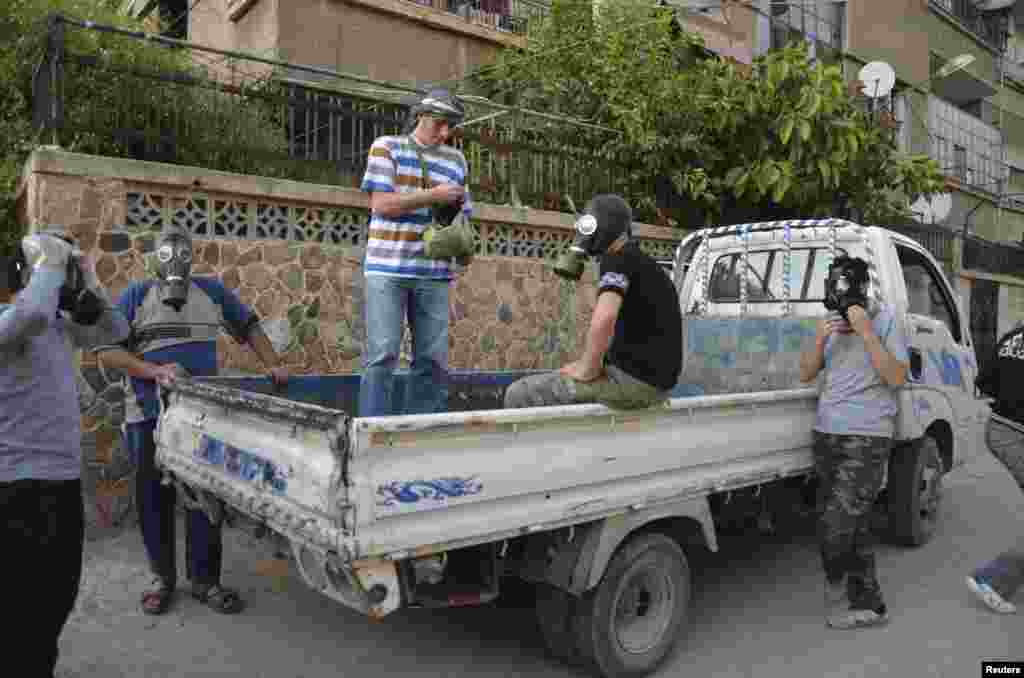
{"x": 989, "y": 26}
{"x": 202, "y": 107}
{"x": 937, "y": 240}
{"x": 992, "y": 257}
{"x": 514, "y": 16}
{"x": 803, "y": 21}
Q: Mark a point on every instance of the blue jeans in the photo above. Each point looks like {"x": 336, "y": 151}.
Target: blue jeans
{"x": 203, "y": 543}
{"x": 425, "y": 304}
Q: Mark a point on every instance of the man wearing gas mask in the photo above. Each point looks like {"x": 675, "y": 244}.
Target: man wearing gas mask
{"x": 50, "y": 304}
{"x": 417, "y": 240}
{"x": 175, "y": 320}
{"x": 860, "y": 349}
{"x": 633, "y": 353}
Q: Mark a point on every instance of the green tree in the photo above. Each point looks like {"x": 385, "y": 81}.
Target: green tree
{"x": 22, "y": 42}
{"x": 783, "y": 139}
{"x": 128, "y": 84}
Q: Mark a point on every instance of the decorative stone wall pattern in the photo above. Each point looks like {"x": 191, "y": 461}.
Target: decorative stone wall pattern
{"x": 293, "y": 253}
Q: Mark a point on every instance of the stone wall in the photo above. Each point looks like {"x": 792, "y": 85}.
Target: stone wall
{"x": 292, "y": 251}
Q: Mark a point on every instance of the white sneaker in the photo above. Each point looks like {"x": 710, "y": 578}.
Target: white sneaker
{"x": 987, "y": 595}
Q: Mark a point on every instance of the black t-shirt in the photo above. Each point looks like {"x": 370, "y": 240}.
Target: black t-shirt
{"x": 648, "y": 341}
{"x": 1003, "y": 378}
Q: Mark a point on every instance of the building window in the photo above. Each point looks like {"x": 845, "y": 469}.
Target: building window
{"x": 822, "y": 25}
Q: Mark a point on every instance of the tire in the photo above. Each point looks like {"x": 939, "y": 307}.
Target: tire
{"x": 915, "y": 492}
{"x": 627, "y": 625}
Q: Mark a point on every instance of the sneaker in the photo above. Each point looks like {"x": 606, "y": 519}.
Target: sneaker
{"x": 853, "y": 619}
{"x": 839, "y": 613}
{"x": 987, "y": 595}
{"x": 837, "y": 602}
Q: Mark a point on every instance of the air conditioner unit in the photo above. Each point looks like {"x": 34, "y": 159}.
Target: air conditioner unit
{"x": 993, "y": 5}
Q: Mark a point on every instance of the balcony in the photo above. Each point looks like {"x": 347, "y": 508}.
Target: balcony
{"x": 819, "y": 24}
{"x": 989, "y": 27}
{"x": 513, "y": 16}
{"x": 966, "y": 147}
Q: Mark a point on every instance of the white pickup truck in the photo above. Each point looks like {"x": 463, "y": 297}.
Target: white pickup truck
{"x": 597, "y": 507}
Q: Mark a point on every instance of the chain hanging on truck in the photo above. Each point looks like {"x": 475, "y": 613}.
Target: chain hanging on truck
{"x": 831, "y": 242}
{"x": 787, "y": 262}
{"x": 744, "y": 235}
{"x": 869, "y": 254}
{"x": 705, "y": 264}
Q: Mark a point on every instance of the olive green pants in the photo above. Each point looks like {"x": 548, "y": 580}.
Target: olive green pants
{"x": 615, "y": 389}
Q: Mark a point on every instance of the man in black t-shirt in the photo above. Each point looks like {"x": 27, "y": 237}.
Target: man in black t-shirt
{"x": 996, "y": 582}
{"x": 1003, "y": 377}
{"x": 633, "y": 353}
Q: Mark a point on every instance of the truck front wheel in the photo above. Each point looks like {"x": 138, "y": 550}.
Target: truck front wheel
{"x": 628, "y": 624}
{"x": 915, "y": 492}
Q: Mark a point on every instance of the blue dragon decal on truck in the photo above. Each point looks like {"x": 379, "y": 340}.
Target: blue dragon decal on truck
{"x": 438, "y": 490}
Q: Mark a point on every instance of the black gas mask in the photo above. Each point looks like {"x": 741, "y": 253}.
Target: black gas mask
{"x": 80, "y": 303}
{"x": 604, "y": 220}
{"x": 174, "y": 266}
{"x": 846, "y": 285}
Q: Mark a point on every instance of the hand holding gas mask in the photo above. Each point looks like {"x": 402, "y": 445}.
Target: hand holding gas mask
{"x": 846, "y": 285}
{"x": 80, "y": 296}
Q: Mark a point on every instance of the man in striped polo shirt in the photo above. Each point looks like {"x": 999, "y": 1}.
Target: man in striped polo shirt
{"x": 411, "y": 179}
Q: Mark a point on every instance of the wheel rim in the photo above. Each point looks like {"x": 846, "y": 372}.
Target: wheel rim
{"x": 643, "y": 609}
{"x": 930, "y": 490}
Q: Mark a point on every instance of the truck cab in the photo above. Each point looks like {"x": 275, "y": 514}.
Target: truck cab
{"x": 751, "y": 295}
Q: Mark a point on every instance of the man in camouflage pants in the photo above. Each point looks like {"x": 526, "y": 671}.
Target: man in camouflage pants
{"x": 863, "y": 360}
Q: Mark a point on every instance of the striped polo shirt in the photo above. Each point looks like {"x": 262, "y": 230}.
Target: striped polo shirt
{"x": 395, "y": 246}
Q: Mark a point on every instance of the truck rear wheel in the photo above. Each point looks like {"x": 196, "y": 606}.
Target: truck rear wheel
{"x": 627, "y": 625}
{"x": 915, "y": 492}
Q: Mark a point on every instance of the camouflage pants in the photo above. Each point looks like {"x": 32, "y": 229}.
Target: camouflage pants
{"x": 615, "y": 389}
{"x": 850, "y": 472}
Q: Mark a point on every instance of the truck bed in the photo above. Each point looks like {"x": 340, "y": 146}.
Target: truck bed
{"x": 468, "y": 390}
{"x": 386, "y": 486}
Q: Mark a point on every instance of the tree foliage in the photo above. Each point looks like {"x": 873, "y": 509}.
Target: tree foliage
{"x": 22, "y": 43}
{"x": 178, "y": 110}
{"x": 784, "y": 139}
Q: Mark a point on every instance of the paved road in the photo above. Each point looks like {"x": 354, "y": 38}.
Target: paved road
{"x": 757, "y": 615}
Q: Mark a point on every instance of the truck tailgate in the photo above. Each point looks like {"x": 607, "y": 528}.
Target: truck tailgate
{"x": 282, "y": 462}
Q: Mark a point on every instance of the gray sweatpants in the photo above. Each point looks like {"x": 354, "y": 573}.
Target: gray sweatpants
{"x": 615, "y": 389}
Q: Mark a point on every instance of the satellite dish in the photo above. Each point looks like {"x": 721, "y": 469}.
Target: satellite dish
{"x": 935, "y": 210}
{"x": 878, "y": 78}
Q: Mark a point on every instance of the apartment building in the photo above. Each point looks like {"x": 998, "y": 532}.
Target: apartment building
{"x": 959, "y": 97}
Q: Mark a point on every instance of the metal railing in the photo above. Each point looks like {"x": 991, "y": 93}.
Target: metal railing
{"x": 984, "y": 255}
{"x": 988, "y": 26}
{"x": 936, "y": 239}
{"x": 514, "y": 16}
{"x": 802, "y": 20}
{"x": 966, "y": 147}
{"x": 252, "y": 116}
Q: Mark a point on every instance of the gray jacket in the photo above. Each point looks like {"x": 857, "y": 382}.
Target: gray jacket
{"x": 40, "y": 422}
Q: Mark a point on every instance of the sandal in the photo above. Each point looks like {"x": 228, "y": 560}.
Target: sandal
{"x": 157, "y": 600}
{"x": 218, "y": 598}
